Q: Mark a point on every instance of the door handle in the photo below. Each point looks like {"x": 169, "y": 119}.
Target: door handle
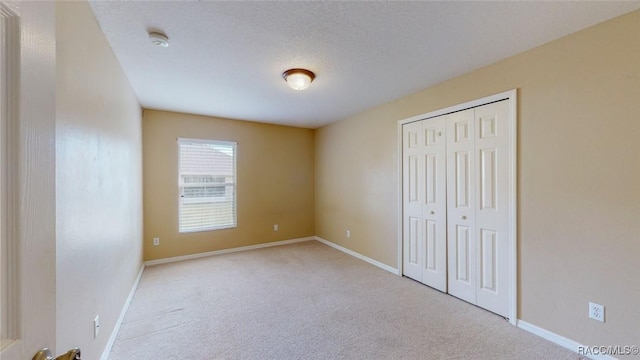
{"x": 45, "y": 354}
{"x": 432, "y": 212}
{"x": 464, "y": 217}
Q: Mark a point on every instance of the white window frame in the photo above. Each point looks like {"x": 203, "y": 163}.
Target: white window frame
{"x": 230, "y": 187}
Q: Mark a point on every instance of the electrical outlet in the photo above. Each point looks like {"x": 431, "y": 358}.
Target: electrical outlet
{"x": 275, "y": 227}
{"x": 96, "y": 326}
{"x": 596, "y": 312}
{"x": 348, "y": 233}
{"x": 156, "y": 241}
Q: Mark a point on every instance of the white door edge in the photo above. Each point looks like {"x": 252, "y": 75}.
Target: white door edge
{"x": 9, "y": 61}
{"x": 32, "y": 170}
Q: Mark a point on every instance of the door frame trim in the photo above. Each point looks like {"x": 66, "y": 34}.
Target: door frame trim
{"x": 512, "y": 97}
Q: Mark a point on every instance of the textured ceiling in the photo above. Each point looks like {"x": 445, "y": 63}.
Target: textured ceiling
{"x": 225, "y": 59}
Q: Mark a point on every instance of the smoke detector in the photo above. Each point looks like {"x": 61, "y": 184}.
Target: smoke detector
{"x": 159, "y": 39}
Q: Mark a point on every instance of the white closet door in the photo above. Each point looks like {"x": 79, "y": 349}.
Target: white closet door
{"x": 434, "y": 210}
{"x": 492, "y": 215}
{"x": 461, "y": 187}
{"x": 456, "y": 188}
{"x": 413, "y": 197}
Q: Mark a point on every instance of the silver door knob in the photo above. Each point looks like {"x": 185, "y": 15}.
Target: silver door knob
{"x": 464, "y": 217}
{"x": 432, "y": 212}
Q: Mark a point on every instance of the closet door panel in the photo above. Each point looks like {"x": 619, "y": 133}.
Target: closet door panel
{"x": 492, "y": 215}
{"x": 412, "y": 198}
{"x": 434, "y": 209}
{"x": 461, "y": 187}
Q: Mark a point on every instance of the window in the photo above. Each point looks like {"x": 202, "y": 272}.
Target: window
{"x": 207, "y": 185}
{"x": 204, "y": 188}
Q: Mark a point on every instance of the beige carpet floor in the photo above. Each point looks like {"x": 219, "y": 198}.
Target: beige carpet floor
{"x": 308, "y": 301}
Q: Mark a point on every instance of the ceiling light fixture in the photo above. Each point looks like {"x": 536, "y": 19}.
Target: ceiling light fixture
{"x": 298, "y": 79}
{"x": 159, "y": 39}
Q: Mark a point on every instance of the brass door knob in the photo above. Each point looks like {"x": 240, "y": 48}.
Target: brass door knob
{"x": 45, "y": 354}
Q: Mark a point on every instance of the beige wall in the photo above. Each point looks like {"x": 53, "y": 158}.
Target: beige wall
{"x": 275, "y": 183}
{"x": 98, "y": 183}
{"x": 578, "y": 170}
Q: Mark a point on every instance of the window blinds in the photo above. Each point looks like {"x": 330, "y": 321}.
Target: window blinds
{"x": 207, "y": 185}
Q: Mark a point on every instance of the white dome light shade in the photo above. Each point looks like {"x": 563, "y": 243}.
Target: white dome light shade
{"x": 298, "y": 79}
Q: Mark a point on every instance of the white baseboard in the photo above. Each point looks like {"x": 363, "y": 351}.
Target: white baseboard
{"x": 560, "y": 340}
{"x": 116, "y": 328}
{"x": 226, "y": 251}
{"x": 359, "y": 256}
